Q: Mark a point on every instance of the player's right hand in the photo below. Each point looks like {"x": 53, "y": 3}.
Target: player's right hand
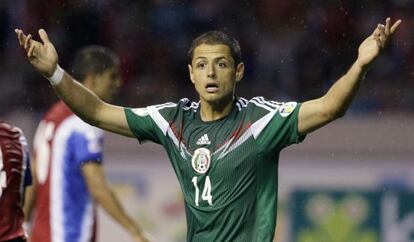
{"x": 42, "y": 56}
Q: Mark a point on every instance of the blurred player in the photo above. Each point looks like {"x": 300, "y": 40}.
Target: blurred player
{"x": 67, "y": 162}
{"x": 224, "y": 149}
{"x": 14, "y": 177}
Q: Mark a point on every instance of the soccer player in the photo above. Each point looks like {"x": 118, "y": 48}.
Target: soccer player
{"x": 15, "y": 175}
{"x": 223, "y": 148}
{"x": 67, "y": 162}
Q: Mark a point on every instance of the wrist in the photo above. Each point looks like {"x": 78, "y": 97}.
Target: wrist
{"x": 56, "y": 76}
{"x": 359, "y": 69}
{"x": 363, "y": 66}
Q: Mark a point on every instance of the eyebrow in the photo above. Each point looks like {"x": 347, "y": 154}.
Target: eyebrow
{"x": 217, "y": 58}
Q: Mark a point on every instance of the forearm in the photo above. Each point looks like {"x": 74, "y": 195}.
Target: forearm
{"x": 341, "y": 94}
{"x": 80, "y": 100}
{"x": 29, "y": 202}
{"x": 109, "y": 202}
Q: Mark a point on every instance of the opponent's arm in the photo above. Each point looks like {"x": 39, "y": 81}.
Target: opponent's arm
{"x": 30, "y": 194}
{"x": 102, "y": 193}
{"x": 82, "y": 102}
{"x": 316, "y": 113}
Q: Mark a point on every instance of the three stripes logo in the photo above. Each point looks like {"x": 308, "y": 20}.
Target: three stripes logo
{"x": 203, "y": 140}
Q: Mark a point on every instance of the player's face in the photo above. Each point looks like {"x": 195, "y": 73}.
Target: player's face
{"x": 107, "y": 83}
{"x": 214, "y": 74}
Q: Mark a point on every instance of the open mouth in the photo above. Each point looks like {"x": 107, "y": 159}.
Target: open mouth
{"x": 212, "y": 87}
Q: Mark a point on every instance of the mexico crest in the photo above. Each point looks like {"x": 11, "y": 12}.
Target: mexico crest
{"x": 201, "y": 160}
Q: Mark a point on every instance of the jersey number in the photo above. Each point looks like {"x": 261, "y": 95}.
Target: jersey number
{"x": 3, "y": 177}
{"x": 41, "y": 144}
{"x": 206, "y": 195}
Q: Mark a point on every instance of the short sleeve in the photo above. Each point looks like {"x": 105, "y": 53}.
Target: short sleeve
{"x": 282, "y": 130}
{"x": 142, "y": 125}
{"x": 86, "y": 146}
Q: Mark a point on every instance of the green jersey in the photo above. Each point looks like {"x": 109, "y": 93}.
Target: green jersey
{"x": 227, "y": 168}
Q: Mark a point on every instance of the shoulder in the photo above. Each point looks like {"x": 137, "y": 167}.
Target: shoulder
{"x": 7, "y": 128}
{"x": 264, "y": 104}
{"x": 8, "y": 131}
{"x": 167, "y": 109}
{"x": 12, "y": 140}
{"x": 183, "y": 104}
{"x": 259, "y": 106}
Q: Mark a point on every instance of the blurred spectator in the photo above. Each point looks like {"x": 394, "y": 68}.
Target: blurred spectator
{"x": 293, "y": 49}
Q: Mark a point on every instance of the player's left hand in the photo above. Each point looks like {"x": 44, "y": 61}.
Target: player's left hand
{"x": 376, "y": 42}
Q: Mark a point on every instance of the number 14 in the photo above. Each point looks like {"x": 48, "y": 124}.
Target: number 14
{"x": 206, "y": 196}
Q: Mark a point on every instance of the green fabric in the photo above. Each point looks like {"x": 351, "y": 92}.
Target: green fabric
{"x": 237, "y": 194}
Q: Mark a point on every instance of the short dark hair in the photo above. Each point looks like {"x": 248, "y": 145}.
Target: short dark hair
{"x": 93, "y": 60}
{"x": 217, "y": 37}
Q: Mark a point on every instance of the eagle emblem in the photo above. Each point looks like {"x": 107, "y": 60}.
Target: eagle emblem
{"x": 201, "y": 160}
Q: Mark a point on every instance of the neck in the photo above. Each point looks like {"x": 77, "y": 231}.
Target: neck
{"x": 215, "y": 111}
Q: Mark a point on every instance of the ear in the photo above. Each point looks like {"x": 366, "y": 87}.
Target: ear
{"x": 239, "y": 71}
{"x": 190, "y": 71}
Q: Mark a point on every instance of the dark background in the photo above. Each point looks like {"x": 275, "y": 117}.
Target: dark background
{"x": 293, "y": 50}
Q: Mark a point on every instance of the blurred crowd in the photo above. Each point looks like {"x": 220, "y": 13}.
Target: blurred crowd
{"x": 293, "y": 50}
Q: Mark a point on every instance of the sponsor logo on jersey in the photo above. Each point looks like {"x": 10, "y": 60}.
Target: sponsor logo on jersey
{"x": 203, "y": 140}
{"x": 287, "y": 109}
{"x": 201, "y": 160}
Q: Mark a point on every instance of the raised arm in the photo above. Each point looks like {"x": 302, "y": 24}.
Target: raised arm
{"x": 82, "y": 102}
{"x": 316, "y": 113}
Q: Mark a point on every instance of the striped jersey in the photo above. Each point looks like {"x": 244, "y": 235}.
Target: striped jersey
{"x": 64, "y": 210}
{"x": 15, "y": 175}
{"x": 227, "y": 168}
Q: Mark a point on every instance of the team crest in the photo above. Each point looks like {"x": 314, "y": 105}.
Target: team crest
{"x": 287, "y": 109}
{"x": 201, "y": 160}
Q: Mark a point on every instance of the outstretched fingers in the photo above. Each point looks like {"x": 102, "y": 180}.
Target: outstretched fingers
{"x": 382, "y": 36}
{"x": 390, "y": 29}
{"x": 377, "y": 35}
{"x": 395, "y": 26}
{"x": 382, "y": 33}
{"x": 20, "y": 36}
{"x": 27, "y": 42}
{"x": 43, "y": 36}
{"x": 387, "y": 26}
{"x": 30, "y": 53}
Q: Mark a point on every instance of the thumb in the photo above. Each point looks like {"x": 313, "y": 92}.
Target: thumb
{"x": 43, "y": 36}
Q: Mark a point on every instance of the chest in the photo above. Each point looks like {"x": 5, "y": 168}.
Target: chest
{"x": 221, "y": 149}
